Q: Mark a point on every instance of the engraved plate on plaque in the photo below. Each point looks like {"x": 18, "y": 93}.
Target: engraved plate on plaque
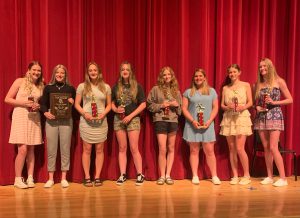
{"x": 60, "y": 106}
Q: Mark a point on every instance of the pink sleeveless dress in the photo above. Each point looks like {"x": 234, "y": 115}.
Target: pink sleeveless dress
{"x": 26, "y": 126}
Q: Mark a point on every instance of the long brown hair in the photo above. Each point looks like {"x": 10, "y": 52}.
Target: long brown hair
{"x": 132, "y": 82}
{"x": 204, "y": 87}
{"x": 87, "y": 82}
{"x": 173, "y": 85}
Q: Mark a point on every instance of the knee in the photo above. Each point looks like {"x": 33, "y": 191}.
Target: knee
{"x": 209, "y": 152}
{"x": 194, "y": 151}
{"x": 122, "y": 148}
{"x": 99, "y": 150}
{"x": 87, "y": 150}
{"x": 162, "y": 151}
{"x": 274, "y": 149}
{"x": 22, "y": 151}
{"x": 240, "y": 150}
{"x": 232, "y": 149}
{"x": 134, "y": 150}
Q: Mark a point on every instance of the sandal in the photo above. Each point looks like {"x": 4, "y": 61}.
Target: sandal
{"x": 169, "y": 181}
{"x": 87, "y": 183}
{"x": 160, "y": 181}
{"x": 97, "y": 182}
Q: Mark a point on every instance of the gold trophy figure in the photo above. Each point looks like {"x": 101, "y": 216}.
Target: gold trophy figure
{"x": 30, "y": 98}
{"x": 200, "y": 114}
{"x": 167, "y": 109}
{"x": 122, "y": 104}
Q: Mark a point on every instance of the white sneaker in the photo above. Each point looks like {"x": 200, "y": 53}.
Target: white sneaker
{"x": 195, "y": 180}
{"x": 234, "y": 181}
{"x": 19, "y": 183}
{"x": 245, "y": 181}
{"x": 64, "y": 183}
{"x": 267, "y": 181}
{"x": 280, "y": 183}
{"x": 30, "y": 182}
{"x": 215, "y": 180}
{"x": 49, "y": 184}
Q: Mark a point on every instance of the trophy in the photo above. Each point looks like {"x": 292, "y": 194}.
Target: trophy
{"x": 235, "y": 102}
{"x": 167, "y": 109}
{"x": 94, "y": 107}
{"x": 122, "y": 104}
{"x": 30, "y": 98}
{"x": 200, "y": 114}
{"x": 266, "y": 94}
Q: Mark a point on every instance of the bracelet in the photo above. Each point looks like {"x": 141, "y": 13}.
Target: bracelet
{"x": 84, "y": 113}
{"x": 192, "y": 121}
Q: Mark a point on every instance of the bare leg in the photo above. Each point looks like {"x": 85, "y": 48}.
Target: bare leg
{"x": 240, "y": 145}
{"x": 194, "y": 157}
{"x": 86, "y": 159}
{"x": 122, "y": 141}
{"x": 265, "y": 137}
{"x": 208, "y": 149}
{"x": 99, "y": 159}
{"x": 134, "y": 148}
{"x": 171, "y": 152}
{"x": 274, "y": 139}
{"x": 233, "y": 155}
{"x": 20, "y": 160}
{"x": 162, "y": 161}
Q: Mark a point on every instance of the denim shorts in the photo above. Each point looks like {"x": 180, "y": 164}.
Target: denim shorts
{"x": 165, "y": 127}
{"x": 134, "y": 124}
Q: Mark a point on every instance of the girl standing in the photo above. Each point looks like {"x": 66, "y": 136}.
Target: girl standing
{"x": 58, "y": 127}
{"x": 24, "y": 95}
{"x": 236, "y": 123}
{"x": 200, "y": 107}
{"x": 269, "y": 118}
{"x": 96, "y": 96}
{"x": 128, "y": 101}
{"x": 164, "y": 101}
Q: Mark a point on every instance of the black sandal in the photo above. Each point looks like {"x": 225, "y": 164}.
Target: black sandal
{"x": 87, "y": 183}
{"x": 97, "y": 182}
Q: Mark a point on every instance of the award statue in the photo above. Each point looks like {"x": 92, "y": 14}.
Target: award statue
{"x": 94, "y": 107}
{"x": 200, "y": 114}
{"x": 266, "y": 94}
{"x": 60, "y": 106}
{"x": 235, "y": 102}
{"x": 30, "y": 98}
{"x": 167, "y": 109}
{"x": 122, "y": 104}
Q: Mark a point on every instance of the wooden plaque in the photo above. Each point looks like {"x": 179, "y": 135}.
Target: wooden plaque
{"x": 59, "y": 105}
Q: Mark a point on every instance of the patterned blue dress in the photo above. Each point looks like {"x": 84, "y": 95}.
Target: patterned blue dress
{"x": 273, "y": 118}
{"x": 190, "y": 134}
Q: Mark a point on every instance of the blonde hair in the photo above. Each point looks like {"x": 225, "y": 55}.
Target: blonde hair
{"x": 87, "y": 82}
{"x": 204, "y": 87}
{"x": 173, "y": 85}
{"x": 132, "y": 82}
{"x": 28, "y": 81}
{"x": 66, "y": 79}
{"x": 269, "y": 78}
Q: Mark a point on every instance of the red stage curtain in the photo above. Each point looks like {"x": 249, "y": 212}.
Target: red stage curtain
{"x": 183, "y": 34}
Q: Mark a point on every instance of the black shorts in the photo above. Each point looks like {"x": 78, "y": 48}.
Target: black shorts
{"x": 165, "y": 127}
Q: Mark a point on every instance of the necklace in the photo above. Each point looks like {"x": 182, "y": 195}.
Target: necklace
{"x": 60, "y": 87}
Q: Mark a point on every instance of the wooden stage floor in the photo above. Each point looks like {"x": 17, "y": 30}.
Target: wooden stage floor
{"x": 183, "y": 199}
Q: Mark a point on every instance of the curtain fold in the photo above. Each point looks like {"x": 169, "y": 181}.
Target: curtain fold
{"x": 151, "y": 34}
